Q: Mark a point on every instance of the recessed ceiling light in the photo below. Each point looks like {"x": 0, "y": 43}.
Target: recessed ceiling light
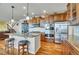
{"x": 27, "y": 18}
{"x": 12, "y": 20}
{"x": 24, "y": 7}
{"x": 32, "y": 13}
{"x": 44, "y": 11}
{"x": 24, "y": 15}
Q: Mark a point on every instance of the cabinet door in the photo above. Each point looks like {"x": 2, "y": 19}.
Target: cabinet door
{"x": 77, "y": 12}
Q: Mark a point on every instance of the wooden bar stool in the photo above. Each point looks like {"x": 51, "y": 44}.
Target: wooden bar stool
{"x": 23, "y": 47}
{"x": 9, "y": 46}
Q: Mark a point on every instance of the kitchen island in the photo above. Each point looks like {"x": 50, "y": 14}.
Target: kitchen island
{"x": 33, "y": 38}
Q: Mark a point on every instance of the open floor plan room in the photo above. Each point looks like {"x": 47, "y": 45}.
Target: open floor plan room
{"x": 39, "y": 28}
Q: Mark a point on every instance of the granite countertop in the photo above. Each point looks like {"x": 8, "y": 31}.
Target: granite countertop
{"x": 24, "y": 35}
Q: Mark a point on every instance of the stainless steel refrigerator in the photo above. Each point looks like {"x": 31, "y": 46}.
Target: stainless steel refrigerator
{"x": 61, "y": 31}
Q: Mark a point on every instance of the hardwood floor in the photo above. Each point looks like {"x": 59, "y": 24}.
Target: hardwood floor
{"x": 2, "y": 44}
{"x": 47, "y": 48}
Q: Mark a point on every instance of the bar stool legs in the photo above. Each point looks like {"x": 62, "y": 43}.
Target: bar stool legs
{"x": 23, "y": 49}
{"x": 9, "y": 46}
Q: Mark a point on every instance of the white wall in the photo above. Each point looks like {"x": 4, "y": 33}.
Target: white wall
{"x": 3, "y": 26}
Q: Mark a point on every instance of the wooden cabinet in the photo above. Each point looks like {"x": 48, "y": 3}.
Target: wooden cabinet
{"x": 59, "y": 17}
{"x": 35, "y": 20}
{"x": 43, "y": 37}
{"x": 51, "y": 18}
{"x": 69, "y": 11}
{"x": 73, "y": 13}
{"x": 77, "y": 12}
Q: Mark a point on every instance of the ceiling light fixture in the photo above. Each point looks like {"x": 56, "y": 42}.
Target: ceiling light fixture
{"x": 27, "y": 18}
{"x": 12, "y": 19}
{"x": 24, "y": 15}
{"x": 24, "y": 7}
{"x": 27, "y": 15}
{"x": 44, "y": 11}
{"x": 32, "y": 13}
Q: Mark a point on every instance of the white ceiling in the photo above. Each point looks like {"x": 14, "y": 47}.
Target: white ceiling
{"x": 36, "y": 8}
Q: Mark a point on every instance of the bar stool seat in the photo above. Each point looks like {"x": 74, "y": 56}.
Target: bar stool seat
{"x": 9, "y": 45}
{"x": 23, "y": 42}
{"x": 23, "y": 47}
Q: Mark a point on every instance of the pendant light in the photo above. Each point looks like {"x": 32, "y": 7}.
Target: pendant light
{"x": 27, "y": 15}
{"x": 12, "y": 19}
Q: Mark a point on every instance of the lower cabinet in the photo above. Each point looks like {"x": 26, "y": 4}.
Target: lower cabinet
{"x": 43, "y": 37}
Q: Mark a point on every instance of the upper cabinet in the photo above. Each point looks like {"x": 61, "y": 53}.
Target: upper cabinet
{"x": 69, "y": 11}
{"x": 34, "y": 20}
{"x": 59, "y": 17}
{"x": 73, "y": 13}
{"x": 77, "y": 12}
